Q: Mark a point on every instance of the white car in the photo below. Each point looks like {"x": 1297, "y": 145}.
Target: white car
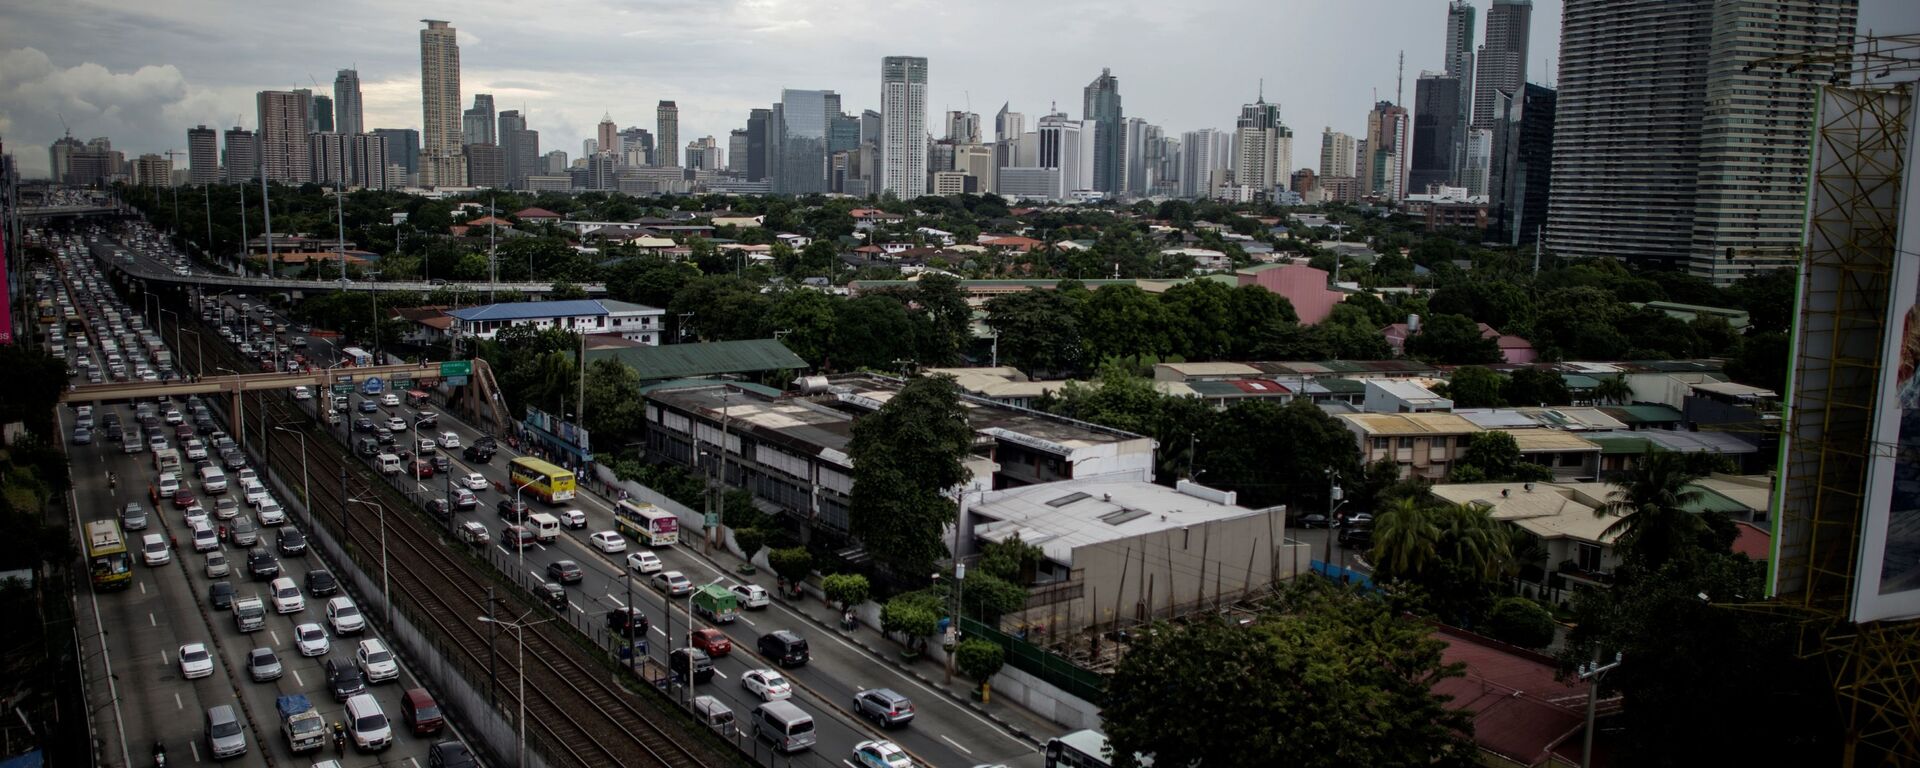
{"x": 880, "y": 754}
{"x": 474, "y": 481}
{"x": 751, "y": 595}
{"x": 194, "y": 514}
{"x": 573, "y": 518}
{"x": 196, "y": 450}
{"x": 156, "y": 443}
{"x": 449, "y": 440}
{"x": 609, "y": 542}
{"x": 174, "y": 417}
{"x": 397, "y": 424}
{"x": 256, "y": 493}
{"x": 169, "y": 482}
{"x": 767, "y": 684}
{"x": 644, "y": 561}
{"x": 312, "y": 639}
{"x": 302, "y": 393}
{"x": 217, "y": 566}
{"x": 345, "y": 617}
{"x": 287, "y": 597}
{"x": 376, "y": 661}
{"x": 673, "y": 583}
{"x": 195, "y": 661}
{"x": 271, "y": 513}
{"x": 390, "y": 400}
{"x": 427, "y": 446}
{"x": 205, "y": 539}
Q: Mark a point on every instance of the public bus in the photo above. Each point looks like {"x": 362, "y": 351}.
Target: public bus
{"x": 1083, "y": 749}
{"x": 107, "y": 556}
{"x": 646, "y": 523}
{"x": 358, "y": 356}
{"x": 551, "y": 483}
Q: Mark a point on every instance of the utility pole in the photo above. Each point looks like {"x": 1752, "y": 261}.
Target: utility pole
{"x": 243, "y": 225}
{"x": 340, "y": 243}
{"x": 266, "y": 205}
{"x": 1595, "y": 671}
{"x": 493, "y": 655}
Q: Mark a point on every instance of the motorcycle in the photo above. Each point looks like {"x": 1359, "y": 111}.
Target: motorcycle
{"x": 160, "y": 754}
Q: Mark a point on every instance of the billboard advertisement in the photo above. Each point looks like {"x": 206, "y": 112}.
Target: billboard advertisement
{"x": 1887, "y": 583}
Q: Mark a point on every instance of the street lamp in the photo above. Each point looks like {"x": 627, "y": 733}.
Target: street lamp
{"x": 386, "y": 596}
{"x": 690, "y": 595}
{"x": 306, "y": 491}
{"x": 519, "y": 548}
{"x": 1593, "y": 669}
{"x": 520, "y": 663}
{"x": 1335, "y": 500}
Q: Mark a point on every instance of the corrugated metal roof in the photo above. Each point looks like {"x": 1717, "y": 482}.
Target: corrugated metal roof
{"x": 688, "y": 361}
{"x": 1643, "y": 413}
{"x": 527, "y": 310}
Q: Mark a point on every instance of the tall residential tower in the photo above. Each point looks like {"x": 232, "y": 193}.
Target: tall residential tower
{"x": 1101, "y": 109}
{"x": 441, "y": 163}
{"x": 903, "y": 140}
{"x": 667, "y": 137}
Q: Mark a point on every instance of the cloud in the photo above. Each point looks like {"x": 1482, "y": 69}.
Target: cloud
{"x": 36, "y": 95}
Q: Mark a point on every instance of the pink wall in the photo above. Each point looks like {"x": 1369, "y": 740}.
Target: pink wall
{"x": 1305, "y": 286}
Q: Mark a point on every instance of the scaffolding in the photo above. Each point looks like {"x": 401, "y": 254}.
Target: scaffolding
{"x": 1861, "y": 159}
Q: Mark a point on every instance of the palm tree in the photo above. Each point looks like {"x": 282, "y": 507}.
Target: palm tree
{"x": 1404, "y": 538}
{"x": 1654, "y": 504}
{"x": 1613, "y": 389}
{"x": 1475, "y": 542}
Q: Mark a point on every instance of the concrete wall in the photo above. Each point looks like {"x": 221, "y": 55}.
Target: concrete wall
{"x": 1305, "y": 287}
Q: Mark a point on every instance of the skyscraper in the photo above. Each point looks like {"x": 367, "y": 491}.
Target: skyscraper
{"x": 243, "y": 155}
{"x": 758, "y": 149}
{"x": 1142, "y": 156}
{"x": 634, "y": 146}
{"x": 1337, "y": 155}
{"x": 1263, "y": 160}
{"x": 667, "y": 145}
{"x": 521, "y": 147}
{"x": 203, "y": 156}
{"x": 283, "y": 136}
{"x": 486, "y": 165}
{"x": 903, "y": 114}
{"x": 1502, "y": 64}
{"x": 1008, "y": 125}
{"x": 442, "y": 164}
{"x": 1067, "y": 146}
{"x": 1714, "y": 156}
{"x": 152, "y": 170}
{"x": 607, "y": 136}
{"x": 477, "y": 125}
{"x": 963, "y": 127}
{"x": 799, "y": 126}
{"x": 738, "y": 153}
{"x": 348, "y": 116}
{"x": 1101, "y": 107}
{"x": 1459, "y": 60}
{"x": 370, "y": 161}
{"x": 320, "y": 115}
{"x": 1436, "y": 104}
{"x": 1206, "y": 157}
{"x": 331, "y": 155}
{"x": 1522, "y": 172}
{"x": 1385, "y": 174}
{"x": 403, "y": 149}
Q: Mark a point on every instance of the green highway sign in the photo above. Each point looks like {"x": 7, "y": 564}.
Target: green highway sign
{"x": 343, "y": 389}
{"x": 456, "y": 368}
{"x": 403, "y": 383}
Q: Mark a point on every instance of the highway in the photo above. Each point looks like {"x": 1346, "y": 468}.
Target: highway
{"x": 943, "y": 733}
{"x": 139, "y": 696}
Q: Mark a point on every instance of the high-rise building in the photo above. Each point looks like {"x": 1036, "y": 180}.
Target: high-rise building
{"x": 477, "y": 124}
{"x": 349, "y": 117}
{"x": 283, "y": 136}
{"x": 1067, "y": 145}
{"x": 556, "y": 162}
{"x": 60, "y": 158}
{"x": 1436, "y": 104}
{"x": 843, "y": 133}
{"x": 607, "y": 136}
{"x": 1502, "y": 63}
{"x": 203, "y": 156}
{"x": 1263, "y": 159}
{"x": 758, "y": 146}
{"x": 320, "y": 116}
{"x": 1667, "y": 151}
{"x": 799, "y": 126}
{"x": 441, "y": 161}
{"x": 486, "y": 165}
{"x": 1522, "y": 172}
{"x": 634, "y": 147}
{"x": 151, "y": 170}
{"x": 667, "y": 152}
{"x": 1459, "y": 60}
{"x": 738, "y": 152}
{"x": 1143, "y": 148}
{"x": 1338, "y": 155}
{"x": 1008, "y": 125}
{"x": 370, "y": 164}
{"x": 403, "y": 149}
{"x": 331, "y": 156}
{"x": 976, "y": 161}
{"x": 601, "y": 171}
{"x": 521, "y": 147}
{"x": 903, "y": 112}
{"x": 1100, "y": 108}
{"x": 1205, "y": 163}
{"x": 589, "y": 147}
{"x": 242, "y": 159}
{"x": 963, "y": 127}
{"x": 1385, "y": 173}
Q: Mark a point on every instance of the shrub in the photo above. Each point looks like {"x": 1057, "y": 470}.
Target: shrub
{"x": 847, "y": 589}
{"x": 792, "y": 564}
{"x": 750, "y": 540}
{"x": 979, "y": 659}
{"x": 909, "y": 617}
{"x": 1521, "y": 622}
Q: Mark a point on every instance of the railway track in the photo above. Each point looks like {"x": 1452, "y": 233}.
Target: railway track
{"x": 575, "y": 714}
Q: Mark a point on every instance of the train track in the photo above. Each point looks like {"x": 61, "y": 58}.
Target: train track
{"x": 575, "y": 715}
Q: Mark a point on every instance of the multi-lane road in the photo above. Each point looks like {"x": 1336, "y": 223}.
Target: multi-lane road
{"x": 943, "y": 733}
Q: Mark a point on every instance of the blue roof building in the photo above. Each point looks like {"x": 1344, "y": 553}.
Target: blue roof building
{"x": 633, "y": 322}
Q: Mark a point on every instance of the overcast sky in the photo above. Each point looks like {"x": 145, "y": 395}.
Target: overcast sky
{"x": 144, "y": 71}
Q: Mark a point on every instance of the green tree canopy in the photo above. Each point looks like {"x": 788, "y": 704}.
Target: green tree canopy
{"x": 906, "y": 456}
{"x": 1452, "y": 339}
{"x": 1473, "y": 386}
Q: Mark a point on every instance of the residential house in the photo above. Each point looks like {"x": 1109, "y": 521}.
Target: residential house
{"x": 1513, "y": 349}
{"x": 794, "y": 241}
{"x": 1303, "y": 286}
{"x": 1392, "y": 396}
{"x": 939, "y": 236}
{"x": 635, "y": 322}
{"x": 1425, "y": 445}
{"x": 536, "y": 215}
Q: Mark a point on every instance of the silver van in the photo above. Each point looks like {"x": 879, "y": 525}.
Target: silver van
{"x": 713, "y": 714}
{"x": 226, "y": 735}
{"x": 789, "y": 727}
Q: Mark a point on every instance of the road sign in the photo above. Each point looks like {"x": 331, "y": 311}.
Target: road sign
{"x": 343, "y": 379}
{"x": 403, "y": 383}
{"x": 453, "y": 368}
{"x": 458, "y": 381}
{"x": 343, "y": 389}
{"x": 372, "y": 385}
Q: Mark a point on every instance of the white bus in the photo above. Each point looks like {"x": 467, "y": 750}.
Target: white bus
{"x": 646, "y": 523}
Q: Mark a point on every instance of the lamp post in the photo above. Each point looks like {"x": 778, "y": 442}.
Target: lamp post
{"x": 386, "y": 596}
{"x": 306, "y": 491}
{"x": 520, "y": 655}
{"x": 1334, "y": 503}
{"x": 520, "y": 549}
{"x": 690, "y": 678}
{"x": 1595, "y": 670}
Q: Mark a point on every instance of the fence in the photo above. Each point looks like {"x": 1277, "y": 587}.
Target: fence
{"x": 1034, "y": 660}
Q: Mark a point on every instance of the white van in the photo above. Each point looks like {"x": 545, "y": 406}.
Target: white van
{"x": 545, "y": 527}
{"x": 213, "y": 480}
{"x": 790, "y": 728}
{"x": 449, "y": 440}
{"x": 389, "y": 464}
{"x": 167, "y": 460}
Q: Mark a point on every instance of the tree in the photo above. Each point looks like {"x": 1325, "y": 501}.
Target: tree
{"x": 1122, "y": 321}
{"x": 1403, "y": 537}
{"x": 1494, "y": 457}
{"x": 1655, "y": 504}
{"x": 847, "y": 589}
{"x": 805, "y": 320}
{"x": 751, "y": 540}
{"x": 1453, "y": 553}
{"x": 1613, "y": 389}
{"x": 1276, "y": 454}
{"x": 914, "y": 615}
{"x": 1337, "y": 680}
{"x": 1201, "y": 316}
{"x": 940, "y": 299}
{"x": 1038, "y": 331}
{"x": 1533, "y": 386}
{"x": 906, "y": 456}
{"x": 1522, "y": 622}
{"x": 565, "y": 291}
{"x": 792, "y": 565}
{"x": 616, "y": 413}
{"x": 987, "y": 597}
{"x": 1473, "y": 386}
{"x": 1452, "y": 339}
{"x": 979, "y": 659}
{"x": 872, "y": 331}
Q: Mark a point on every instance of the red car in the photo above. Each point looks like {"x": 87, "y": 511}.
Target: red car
{"x": 422, "y": 468}
{"x": 713, "y": 641}
{"x": 182, "y": 498}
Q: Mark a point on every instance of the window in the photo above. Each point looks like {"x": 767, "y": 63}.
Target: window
{"x": 1588, "y": 557}
{"x": 1406, "y": 443}
{"x": 1380, "y": 444}
{"x": 1439, "y": 443}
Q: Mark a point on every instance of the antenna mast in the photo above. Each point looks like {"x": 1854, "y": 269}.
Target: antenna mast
{"x": 1400, "y": 80}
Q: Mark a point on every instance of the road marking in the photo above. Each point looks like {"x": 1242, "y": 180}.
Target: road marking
{"x": 163, "y": 657}
{"x": 663, "y": 633}
{"x": 177, "y": 704}
{"x": 748, "y": 621}
{"x": 143, "y": 587}
{"x": 956, "y": 745}
{"x": 576, "y": 606}
{"x": 297, "y": 681}
{"x": 152, "y": 622}
{"x": 504, "y": 550}
{"x": 615, "y": 600}
{"x": 275, "y": 634}
{"x": 413, "y": 762}
{"x": 195, "y": 746}
{"x": 848, "y": 764}
{"x": 720, "y": 673}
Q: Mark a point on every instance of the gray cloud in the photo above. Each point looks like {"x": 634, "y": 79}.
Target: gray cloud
{"x": 144, "y": 73}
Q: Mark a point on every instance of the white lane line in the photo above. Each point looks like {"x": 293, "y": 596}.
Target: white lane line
{"x": 615, "y": 600}
{"x": 143, "y": 587}
{"x": 177, "y": 704}
{"x": 195, "y": 746}
{"x": 720, "y": 673}
{"x": 503, "y": 550}
{"x": 275, "y": 634}
{"x": 413, "y": 762}
{"x": 163, "y": 657}
{"x": 847, "y": 764}
{"x": 663, "y": 633}
{"x": 748, "y": 621}
{"x": 297, "y": 681}
{"x": 151, "y": 621}
{"x": 956, "y": 745}
{"x": 576, "y": 606}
